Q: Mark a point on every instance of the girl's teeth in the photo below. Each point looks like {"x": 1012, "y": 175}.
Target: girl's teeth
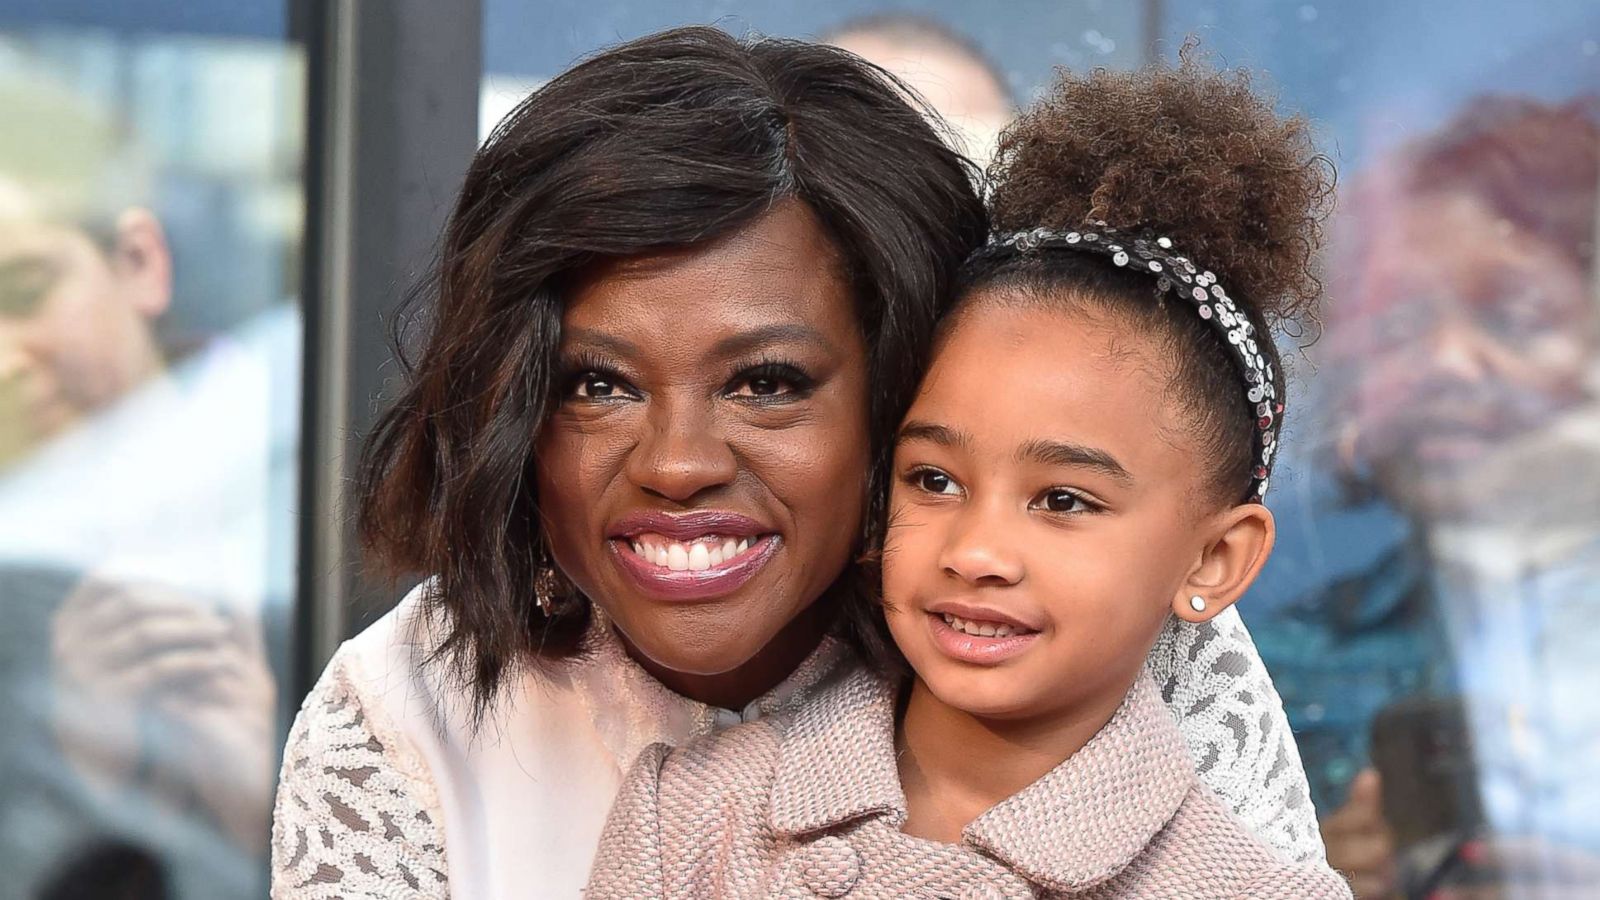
{"x": 744, "y": 544}
{"x": 660, "y": 557}
{"x": 975, "y": 629}
{"x": 729, "y": 549}
{"x": 677, "y": 558}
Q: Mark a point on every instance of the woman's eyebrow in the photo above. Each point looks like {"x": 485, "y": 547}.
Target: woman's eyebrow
{"x": 943, "y": 435}
{"x": 1062, "y": 453}
{"x": 756, "y": 338}
{"x": 616, "y": 346}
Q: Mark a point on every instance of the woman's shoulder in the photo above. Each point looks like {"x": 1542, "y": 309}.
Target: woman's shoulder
{"x": 356, "y": 809}
{"x": 1207, "y": 843}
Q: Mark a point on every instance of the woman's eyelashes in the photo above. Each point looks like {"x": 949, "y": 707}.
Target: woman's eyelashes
{"x": 595, "y": 384}
{"x": 773, "y": 381}
{"x": 592, "y": 380}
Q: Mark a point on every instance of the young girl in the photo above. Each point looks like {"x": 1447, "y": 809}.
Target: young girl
{"x": 1087, "y": 456}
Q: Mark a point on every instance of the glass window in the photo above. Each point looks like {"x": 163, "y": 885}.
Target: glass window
{"x": 151, "y": 211}
{"x": 1432, "y": 612}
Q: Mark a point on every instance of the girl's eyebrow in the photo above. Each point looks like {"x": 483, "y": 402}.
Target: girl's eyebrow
{"x": 1061, "y": 453}
{"x": 943, "y": 435}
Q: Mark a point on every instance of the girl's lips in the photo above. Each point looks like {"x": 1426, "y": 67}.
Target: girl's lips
{"x": 974, "y": 649}
{"x": 689, "y": 585}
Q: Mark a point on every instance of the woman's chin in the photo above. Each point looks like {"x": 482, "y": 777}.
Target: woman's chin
{"x": 693, "y": 652}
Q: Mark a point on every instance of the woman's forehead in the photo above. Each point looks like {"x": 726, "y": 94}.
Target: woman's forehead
{"x": 780, "y": 272}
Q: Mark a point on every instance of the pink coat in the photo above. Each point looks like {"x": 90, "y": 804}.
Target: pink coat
{"x": 810, "y": 805}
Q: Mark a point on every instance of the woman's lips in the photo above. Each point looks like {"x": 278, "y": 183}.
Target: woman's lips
{"x": 983, "y": 642}
{"x": 687, "y": 526}
{"x": 703, "y": 567}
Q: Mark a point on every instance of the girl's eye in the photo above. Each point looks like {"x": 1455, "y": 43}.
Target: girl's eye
{"x": 1064, "y": 501}
{"x": 772, "y": 380}
{"x": 935, "y": 482}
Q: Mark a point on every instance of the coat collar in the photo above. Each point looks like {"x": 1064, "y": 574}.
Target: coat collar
{"x": 630, "y": 709}
{"x": 1078, "y": 826}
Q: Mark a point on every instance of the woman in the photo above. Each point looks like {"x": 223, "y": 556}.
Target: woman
{"x": 680, "y": 307}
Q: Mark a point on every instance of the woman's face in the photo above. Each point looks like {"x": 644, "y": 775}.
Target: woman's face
{"x": 703, "y": 477}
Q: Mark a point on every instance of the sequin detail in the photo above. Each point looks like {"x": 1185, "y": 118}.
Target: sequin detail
{"x": 1231, "y": 323}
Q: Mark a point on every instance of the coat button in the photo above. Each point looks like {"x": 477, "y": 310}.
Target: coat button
{"x": 830, "y": 867}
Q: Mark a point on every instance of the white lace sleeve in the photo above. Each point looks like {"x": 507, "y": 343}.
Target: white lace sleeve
{"x": 1214, "y": 681}
{"x": 356, "y": 815}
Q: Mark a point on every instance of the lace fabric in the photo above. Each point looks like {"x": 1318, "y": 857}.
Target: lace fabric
{"x": 356, "y": 814}
{"x": 1214, "y": 681}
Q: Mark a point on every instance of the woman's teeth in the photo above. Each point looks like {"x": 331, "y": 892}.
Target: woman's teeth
{"x": 694, "y": 556}
{"x": 981, "y": 629}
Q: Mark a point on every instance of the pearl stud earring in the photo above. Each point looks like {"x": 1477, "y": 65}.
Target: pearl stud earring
{"x": 1197, "y": 603}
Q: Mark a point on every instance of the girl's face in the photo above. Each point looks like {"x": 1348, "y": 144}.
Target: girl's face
{"x": 703, "y": 479}
{"x": 1047, "y": 515}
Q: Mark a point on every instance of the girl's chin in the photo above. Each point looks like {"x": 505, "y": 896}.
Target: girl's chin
{"x": 984, "y": 694}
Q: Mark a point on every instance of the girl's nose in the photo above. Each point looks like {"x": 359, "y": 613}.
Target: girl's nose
{"x": 980, "y": 550}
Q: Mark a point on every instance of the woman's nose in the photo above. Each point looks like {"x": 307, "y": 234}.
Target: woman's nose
{"x": 681, "y": 454}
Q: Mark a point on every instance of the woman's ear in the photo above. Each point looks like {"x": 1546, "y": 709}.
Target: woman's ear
{"x": 1238, "y": 542}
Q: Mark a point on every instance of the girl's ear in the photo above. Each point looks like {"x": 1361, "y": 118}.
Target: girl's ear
{"x": 1238, "y": 544}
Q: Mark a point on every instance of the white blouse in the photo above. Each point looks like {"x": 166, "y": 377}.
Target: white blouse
{"x": 386, "y": 791}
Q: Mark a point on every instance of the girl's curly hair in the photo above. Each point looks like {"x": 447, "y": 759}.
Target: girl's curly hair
{"x": 1190, "y": 153}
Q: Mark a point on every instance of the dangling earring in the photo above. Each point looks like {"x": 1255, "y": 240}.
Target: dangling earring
{"x": 1197, "y": 603}
{"x": 544, "y": 589}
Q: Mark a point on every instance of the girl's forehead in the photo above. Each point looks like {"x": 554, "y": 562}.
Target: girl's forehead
{"x": 1011, "y": 374}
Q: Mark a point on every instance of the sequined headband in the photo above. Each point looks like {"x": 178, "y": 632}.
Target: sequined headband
{"x": 1176, "y": 273}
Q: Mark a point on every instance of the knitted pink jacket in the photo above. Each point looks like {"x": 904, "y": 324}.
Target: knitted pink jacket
{"x": 810, "y": 805}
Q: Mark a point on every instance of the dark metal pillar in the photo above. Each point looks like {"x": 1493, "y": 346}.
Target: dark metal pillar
{"x": 393, "y": 123}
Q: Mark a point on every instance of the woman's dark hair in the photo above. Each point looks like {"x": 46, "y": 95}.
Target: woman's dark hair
{"x": 666, "y": 142}
{"x": 1184, "y": 152}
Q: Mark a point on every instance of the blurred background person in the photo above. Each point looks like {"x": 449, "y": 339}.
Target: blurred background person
{"x": 138, "y": 707}
{"x": 1460, "y": 356}
{"x": 943, "y": 66}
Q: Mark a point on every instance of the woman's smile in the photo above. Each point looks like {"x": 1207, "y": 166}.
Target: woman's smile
{"x": 701, "y": 555}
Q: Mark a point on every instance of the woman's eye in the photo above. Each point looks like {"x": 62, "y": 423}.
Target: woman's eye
{"x": 769, "y": 381}
{"x": 1064, "y": 502}
{"x": 762, "y": 386}
{"x": 595, "y": 386}
{"x": 935, "y": 482}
